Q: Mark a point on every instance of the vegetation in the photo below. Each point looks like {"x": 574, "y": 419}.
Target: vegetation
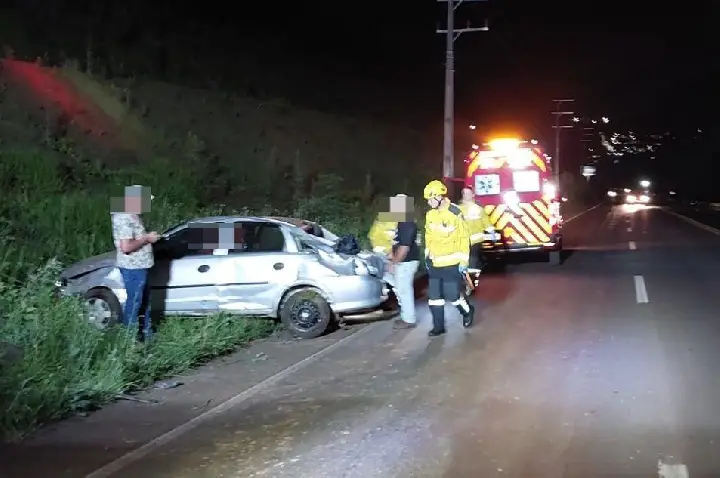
{"x": 56, "y": 184}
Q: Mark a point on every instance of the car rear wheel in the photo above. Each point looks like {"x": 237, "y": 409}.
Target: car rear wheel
{"x": 103, "y": 308}
{"x": 305, "y": 313}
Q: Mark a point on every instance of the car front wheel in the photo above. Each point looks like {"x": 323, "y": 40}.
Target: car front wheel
{"x": 103, "y": 308}
{"x": 305, "y": 313}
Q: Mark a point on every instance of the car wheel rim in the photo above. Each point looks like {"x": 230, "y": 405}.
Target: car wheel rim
{"x": 99, "y": 312}
{"x": 305, "y": 315}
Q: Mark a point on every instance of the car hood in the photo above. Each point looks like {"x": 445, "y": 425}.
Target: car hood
{"x": 109, "y": 259}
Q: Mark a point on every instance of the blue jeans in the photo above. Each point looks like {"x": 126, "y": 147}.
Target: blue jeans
{"x": 403, "y": 281}
{"x": 138, "y": 294}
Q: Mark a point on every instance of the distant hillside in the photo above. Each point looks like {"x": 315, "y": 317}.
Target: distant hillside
{"x": 248, "y": 144}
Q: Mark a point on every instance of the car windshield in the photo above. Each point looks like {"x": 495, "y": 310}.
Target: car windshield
{"x": 307, "y": 241}
{"x": 172, "y": 228}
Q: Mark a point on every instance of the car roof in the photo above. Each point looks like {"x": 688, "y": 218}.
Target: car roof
{"x": 232, "y": 219}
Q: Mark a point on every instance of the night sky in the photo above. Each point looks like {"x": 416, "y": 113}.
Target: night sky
{"x": 649, "y": 66}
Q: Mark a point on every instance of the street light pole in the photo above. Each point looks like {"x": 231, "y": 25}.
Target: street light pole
{"x": 557, "y": 126}
{"x": 451, "y": 35}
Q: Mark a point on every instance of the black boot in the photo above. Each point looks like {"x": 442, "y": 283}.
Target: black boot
{"x": 438, "y": 315}
{"x": 469, "y": 317}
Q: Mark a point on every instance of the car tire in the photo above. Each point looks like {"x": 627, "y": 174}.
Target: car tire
{"x": 305, "y": 313}
{"x": 103, "y": 300}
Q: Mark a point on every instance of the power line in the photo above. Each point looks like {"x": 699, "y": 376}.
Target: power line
{"x": 451, "y": 35}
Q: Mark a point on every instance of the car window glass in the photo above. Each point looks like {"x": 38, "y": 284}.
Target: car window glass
{"x": 258, "y": 237}
{"x": 191, "y": 241}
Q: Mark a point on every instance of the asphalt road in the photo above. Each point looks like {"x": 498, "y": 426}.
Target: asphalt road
{"x": 603, "y": 367}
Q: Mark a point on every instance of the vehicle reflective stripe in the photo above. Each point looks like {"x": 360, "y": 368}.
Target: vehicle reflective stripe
{"x": 538, "y": 218}
{"x": 539, "y": 234}
{"x": 497, "y": 213}
{"x": 542, "y": 207}
{"x": 539, "y": 163}
{"x": 502, "y": 222}
{"x": 432, "y": 302}
{"x": 524, "y": 235}
{"x": 523, "y": 231}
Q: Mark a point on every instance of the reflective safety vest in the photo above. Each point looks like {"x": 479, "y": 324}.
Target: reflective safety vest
{"x": 447, "y": 240}
{"x": 477, "y": 220}
{"x": 382, "y": 235}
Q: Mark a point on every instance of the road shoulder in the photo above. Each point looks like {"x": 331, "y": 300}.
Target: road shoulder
{"x": 127, "y": 424}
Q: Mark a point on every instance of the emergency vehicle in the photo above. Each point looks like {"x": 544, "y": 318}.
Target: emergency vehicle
{"x": 512, "y": 180}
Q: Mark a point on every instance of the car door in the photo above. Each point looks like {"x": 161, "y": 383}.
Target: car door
{"x": 262, "y": 268}
{"x": 185, "y": 279}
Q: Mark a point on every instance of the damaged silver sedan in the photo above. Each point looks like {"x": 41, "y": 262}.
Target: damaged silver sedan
{"x": 287, "y": 269}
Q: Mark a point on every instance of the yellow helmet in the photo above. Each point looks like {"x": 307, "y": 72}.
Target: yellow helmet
{"x": 434, "y": 189}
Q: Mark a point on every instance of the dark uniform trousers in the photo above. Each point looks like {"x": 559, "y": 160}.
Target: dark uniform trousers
{"x": 444, "y": 283}
{"x": 476, "y": 256}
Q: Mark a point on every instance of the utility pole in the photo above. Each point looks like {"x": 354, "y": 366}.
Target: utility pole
{"x": 451, "y": 35}
{"x": 557, "y": 126}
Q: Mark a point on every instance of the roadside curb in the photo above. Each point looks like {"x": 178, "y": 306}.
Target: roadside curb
{"x": 692, "y": 221}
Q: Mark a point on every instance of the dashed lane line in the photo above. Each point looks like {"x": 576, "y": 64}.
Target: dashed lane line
{"x": 641, "y": 295}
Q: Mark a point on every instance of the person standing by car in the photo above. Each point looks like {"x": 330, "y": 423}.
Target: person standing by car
{"x": 404, "y": 259}
{"x": 447, "y": 253}
{"x": 134, "y": 255}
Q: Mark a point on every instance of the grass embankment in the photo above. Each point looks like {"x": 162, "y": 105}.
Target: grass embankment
{"x": 55, "y": 362}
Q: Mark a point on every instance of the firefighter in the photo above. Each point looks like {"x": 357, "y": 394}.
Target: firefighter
{"x": 478, "y": 224}
{"x": 447, "y": 253}
{"x": 382, "y": 234}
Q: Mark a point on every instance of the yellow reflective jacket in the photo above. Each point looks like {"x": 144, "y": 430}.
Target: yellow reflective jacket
{"x": 477, "y": 220}
{"x": 447, "y": 240}
{"x": 382, "y": 235}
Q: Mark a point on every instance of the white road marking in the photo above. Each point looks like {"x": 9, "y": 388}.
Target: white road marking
{"x": 672, "y": 471}
{"x": 144, "y": 450}
{"x": 641, "y": 294}
{"x": 695, "y": 223}
{"x": 632, "y": 245}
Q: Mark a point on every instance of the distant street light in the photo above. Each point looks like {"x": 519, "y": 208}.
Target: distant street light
{"x": 605, "y": 119}
{"x": 472, "y": 126}
{"x": 644, "y": 183}
{"x": 534, "y": 141}
{"x": 576, "y": 119}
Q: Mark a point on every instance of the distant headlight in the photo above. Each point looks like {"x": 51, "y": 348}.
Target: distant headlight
{"x": 644, "y": 198}
{"x": 630, "y": 198}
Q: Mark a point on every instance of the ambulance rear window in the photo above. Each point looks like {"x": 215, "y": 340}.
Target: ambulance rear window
{"x": 487, "y": 184}
{"x": 526, "y": 181}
